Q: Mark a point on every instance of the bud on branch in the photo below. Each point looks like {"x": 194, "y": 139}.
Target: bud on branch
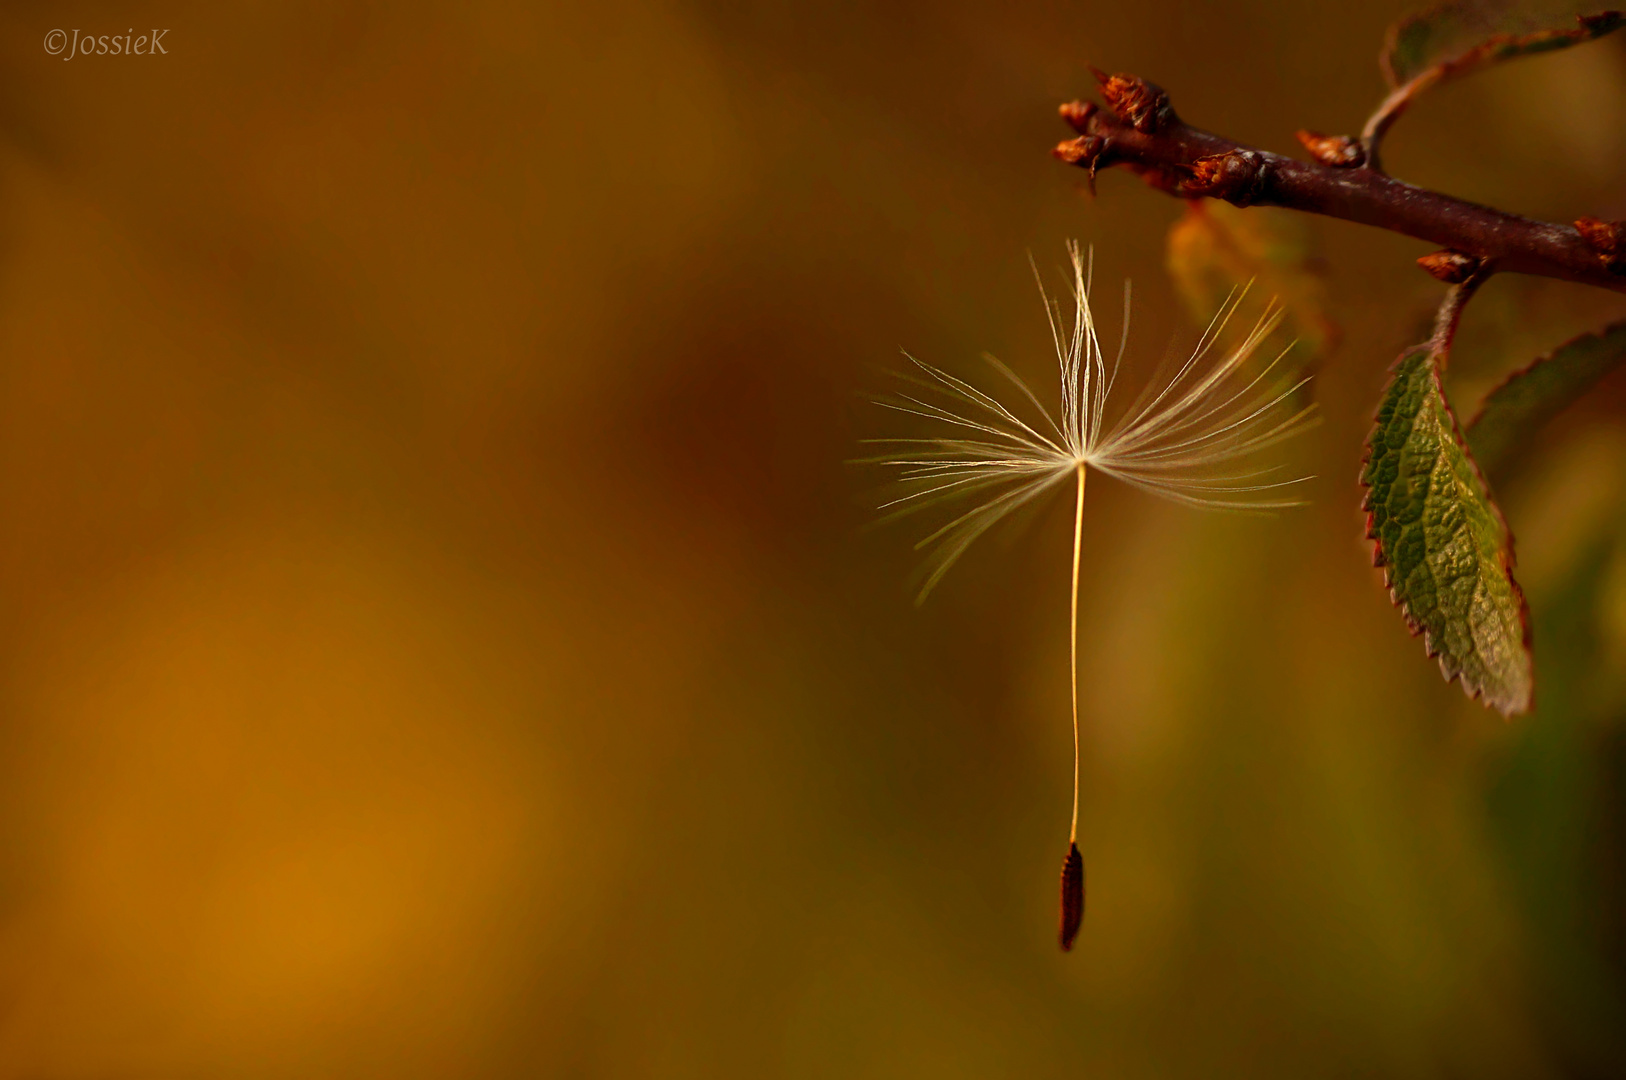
{"x": 1140, "y": 131}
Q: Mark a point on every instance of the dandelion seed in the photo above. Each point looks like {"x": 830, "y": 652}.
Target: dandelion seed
{"x": 1072, "y": 896}
{"x": 1183, "y": 439}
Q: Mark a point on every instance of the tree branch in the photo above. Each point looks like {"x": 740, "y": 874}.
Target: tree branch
{"x": 1139, "y": 131}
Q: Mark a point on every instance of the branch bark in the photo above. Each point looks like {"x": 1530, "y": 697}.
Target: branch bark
{"x": 1140, "y": 132}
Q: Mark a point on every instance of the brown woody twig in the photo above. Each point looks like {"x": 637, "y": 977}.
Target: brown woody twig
{"x": 1139, "y": 131}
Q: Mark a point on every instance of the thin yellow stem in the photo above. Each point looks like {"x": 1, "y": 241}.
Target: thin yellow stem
{"x": 1078, "y": 543}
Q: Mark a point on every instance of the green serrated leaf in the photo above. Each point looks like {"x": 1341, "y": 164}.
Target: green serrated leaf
{"x": 1215, "y": 247}
{"x": 1447, "y": 554}
{"x": 1529, "y": 398}
{"x": 1466, "y": 35}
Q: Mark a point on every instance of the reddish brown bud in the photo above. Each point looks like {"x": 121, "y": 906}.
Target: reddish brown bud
{"x": 1237, "y": 176}
{"x": 1143, "y": 105}
{"x": 1451, "y": 267}
{"x": 1086, "y": 151}
{"x": 1078, "y": 113}
{"x": 1083, "y": 150}
{"x": 1072, "y": 897}
{"x": 1608, "y": 239}
{"x": 1339, "y": 151}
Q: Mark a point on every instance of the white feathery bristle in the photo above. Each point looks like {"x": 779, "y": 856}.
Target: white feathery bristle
{"x": 1175, "y": 440}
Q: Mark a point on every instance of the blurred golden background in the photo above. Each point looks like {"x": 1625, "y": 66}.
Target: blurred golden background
{"x": 443, "y": 636}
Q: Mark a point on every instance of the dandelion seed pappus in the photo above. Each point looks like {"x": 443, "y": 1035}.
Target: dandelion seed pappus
{"x": 1182, "y": 439}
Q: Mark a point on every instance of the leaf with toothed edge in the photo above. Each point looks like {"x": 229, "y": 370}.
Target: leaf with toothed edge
{"x": 1446, "y": 552}
{"x": 1534, "y": 395}
{"x": 1453, "y": 39}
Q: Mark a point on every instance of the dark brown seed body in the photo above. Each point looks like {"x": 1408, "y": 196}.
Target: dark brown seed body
{"x": 1072, "y": 896}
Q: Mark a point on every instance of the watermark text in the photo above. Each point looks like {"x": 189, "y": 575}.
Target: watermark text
{"x": 71, "y": 43}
